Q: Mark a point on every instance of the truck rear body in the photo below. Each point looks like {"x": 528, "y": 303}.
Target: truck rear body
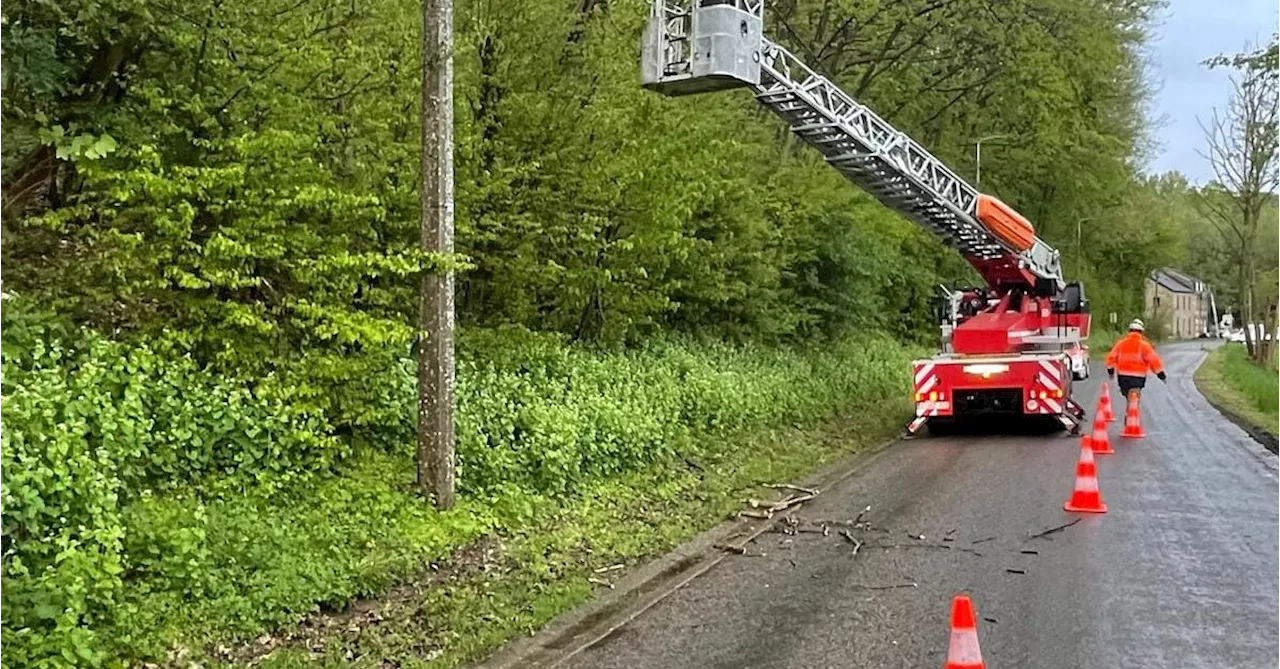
{"x": 1027, "y": 384}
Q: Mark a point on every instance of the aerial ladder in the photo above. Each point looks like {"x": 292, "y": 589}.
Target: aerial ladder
{"x": 1013, "y": 347}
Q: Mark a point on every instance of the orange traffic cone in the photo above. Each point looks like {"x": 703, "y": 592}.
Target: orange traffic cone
{"x": 1133, "y": 419}
{"x": 1085, "y": 498}
{"x": 962, "y": 650}
{"x": 1104, "y": 404}
{"x": 1098, "y": 441}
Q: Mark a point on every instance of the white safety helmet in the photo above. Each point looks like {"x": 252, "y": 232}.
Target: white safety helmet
{"x": 1137, "y": 325}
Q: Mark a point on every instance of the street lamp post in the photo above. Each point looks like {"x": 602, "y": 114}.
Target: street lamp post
{"x": 1079, "y": 252}
{"x": 977, "y": 156}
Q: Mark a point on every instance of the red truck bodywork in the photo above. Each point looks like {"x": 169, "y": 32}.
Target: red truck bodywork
{"x": 1017, "y": 356}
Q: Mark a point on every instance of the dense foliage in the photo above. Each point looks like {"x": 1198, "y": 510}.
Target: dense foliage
{"x": 244, "y": 172}
{"x": 212, "y": 205}
{"x": 116, "y": 458}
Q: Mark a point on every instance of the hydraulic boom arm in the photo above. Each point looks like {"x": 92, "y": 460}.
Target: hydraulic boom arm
{"x": 717, "y": 44}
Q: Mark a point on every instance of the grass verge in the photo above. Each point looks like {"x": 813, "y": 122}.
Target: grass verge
{"x": 1101, "y": 341}
{"x": 515, "y": 579}
{"x": 1237, "y": 386}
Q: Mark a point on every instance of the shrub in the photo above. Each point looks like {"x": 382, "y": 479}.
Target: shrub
{"x": 89, "y": 427}
{"x": 559, "y": 415}
{"x": 142, "y": 492}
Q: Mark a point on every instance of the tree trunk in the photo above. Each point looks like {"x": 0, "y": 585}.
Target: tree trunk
{"x": 1246, "y": 303}
{"x": 1267, "y": 347}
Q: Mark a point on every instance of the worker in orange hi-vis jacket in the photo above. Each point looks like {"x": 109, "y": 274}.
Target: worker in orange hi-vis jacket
{"x": 1132, "y": 357}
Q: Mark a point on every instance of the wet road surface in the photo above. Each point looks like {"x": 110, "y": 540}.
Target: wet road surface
{"x": 1182, "y": 571}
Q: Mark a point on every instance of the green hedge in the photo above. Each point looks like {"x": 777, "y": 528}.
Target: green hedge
{"x": 120, "y": 460}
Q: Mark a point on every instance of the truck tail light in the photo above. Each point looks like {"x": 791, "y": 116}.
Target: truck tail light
{"x": 934, "y": 396}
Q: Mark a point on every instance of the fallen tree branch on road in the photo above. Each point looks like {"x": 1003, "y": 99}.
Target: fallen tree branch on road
{"x": 764, "y": 510}
{"x": 774, "y": 507}
{"x": 788, "y": 486}
{"x": 893, "y": 586}
{"x": 729, "y": 548}
{"x": 944, "y": 547}
{"x": 1052, "y": 530}
{"x": 857, "y": 544}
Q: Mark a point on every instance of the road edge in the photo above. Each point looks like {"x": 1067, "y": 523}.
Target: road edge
{"x": 1266, "y": 439}
{"x": 573, "y": 632}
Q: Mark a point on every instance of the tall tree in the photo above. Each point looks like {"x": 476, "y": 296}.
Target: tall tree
{"x": 1241, "y": 146}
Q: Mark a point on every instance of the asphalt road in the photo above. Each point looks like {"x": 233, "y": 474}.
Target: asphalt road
{"x": 1182, "y": 571}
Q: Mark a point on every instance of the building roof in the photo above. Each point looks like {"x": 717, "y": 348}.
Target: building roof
{"x": 1177, "y": 282}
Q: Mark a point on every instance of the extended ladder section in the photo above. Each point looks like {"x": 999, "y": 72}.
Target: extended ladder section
{"x": 717, "y": 44}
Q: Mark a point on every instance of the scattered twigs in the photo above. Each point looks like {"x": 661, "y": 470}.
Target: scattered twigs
{"x": 788, "y": 486}
{"x": 982, "y": 540}
{"x": 857, "y": 543}
{"x": 609, "y": 568}
{"x": 737, "y": 550}
{"x": 893, "y": 586}
{"x": 730, "y": 548}
{"x": 945, "y": 547}
{"x": 774, "y": 507}
{"x": 1053, "y": 530}
{"x": 764, "y": 510}
{"x": 855, "y": 524}
{"x": 599, "y": 581}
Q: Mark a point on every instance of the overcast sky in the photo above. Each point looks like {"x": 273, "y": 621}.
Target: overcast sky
{"x": 1189, "y": 31}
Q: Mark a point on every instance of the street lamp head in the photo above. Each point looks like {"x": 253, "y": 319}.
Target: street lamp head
{"x": 977, "y": 156}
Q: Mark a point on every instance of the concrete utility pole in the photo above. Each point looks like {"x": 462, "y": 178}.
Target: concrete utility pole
{"x": 435, "y": 330}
